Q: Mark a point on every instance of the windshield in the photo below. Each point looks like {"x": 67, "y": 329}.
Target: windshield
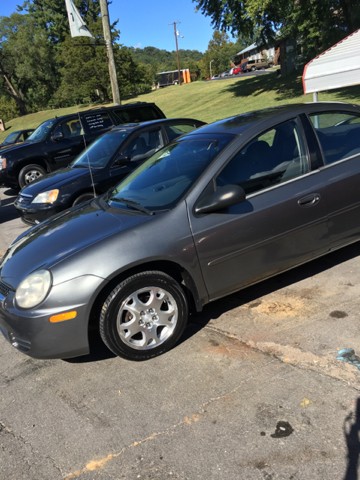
{"x": 101, "y": 151}
{"x": 164, "y": 178}
{"x": 42, "y": 131}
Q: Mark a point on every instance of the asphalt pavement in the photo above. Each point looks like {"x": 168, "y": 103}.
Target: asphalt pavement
{"x": 254, "y": 391}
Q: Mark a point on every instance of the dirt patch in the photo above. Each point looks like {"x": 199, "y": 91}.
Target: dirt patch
{"x": 281, "y": 308}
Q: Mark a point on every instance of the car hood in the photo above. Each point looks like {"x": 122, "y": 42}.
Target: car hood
{"x": 63, "y": 235}
{"x": 15, "y": 147}
{"x": 55, "y": 180}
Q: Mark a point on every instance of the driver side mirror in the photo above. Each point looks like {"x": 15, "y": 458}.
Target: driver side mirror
{"x": 121, "y": 161}
{"x": 222, "y": 198}
{"x": 57, "y": 135}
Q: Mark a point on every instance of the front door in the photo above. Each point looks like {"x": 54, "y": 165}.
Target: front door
{"x": 71, "y": 143}
{"x": 282, "y": 222}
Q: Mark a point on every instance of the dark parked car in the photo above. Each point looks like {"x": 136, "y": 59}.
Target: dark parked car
{"x": 221, "y": 208}
{"x": 57, "y": 141}
{"x": 16, "y": 137}
{"x": 107, "y": 160}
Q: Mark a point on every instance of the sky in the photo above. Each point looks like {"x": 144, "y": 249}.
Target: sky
{"x": 144, "y": 23}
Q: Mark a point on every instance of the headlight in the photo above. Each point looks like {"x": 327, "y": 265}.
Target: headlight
{"x": 33, "y": 289}
{"x": 2, "y": 163}
{"x": 46, "y": 197}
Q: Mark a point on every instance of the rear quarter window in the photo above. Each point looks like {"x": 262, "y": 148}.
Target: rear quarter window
{"x": 137, "y": 114}
{"x": 96, "y": 121}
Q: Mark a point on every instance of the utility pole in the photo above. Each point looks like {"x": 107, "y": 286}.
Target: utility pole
{"x": 211, "y": 61}
{"x": 177, "y": 52}
{"x": 107, "y": 37}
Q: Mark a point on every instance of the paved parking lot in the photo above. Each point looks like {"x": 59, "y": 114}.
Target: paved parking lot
{"x": 254, "y": 391}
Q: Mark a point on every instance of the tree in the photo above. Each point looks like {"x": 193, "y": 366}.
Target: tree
{"x": 220, "y": 53}
{"x": 134, "y": 78}
{"x": 157, "y": 60}
{"x": 316, "y": 24}
{"x": 26, "y": 62}
{"x": 42, "y": 66}
{"x": 83, "y": 71}
{"x": 51, "y": 15}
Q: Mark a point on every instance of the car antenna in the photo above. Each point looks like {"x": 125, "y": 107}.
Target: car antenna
{"x": 87, "y": 156}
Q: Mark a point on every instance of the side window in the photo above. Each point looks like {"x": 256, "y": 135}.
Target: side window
{"x": 96, "y": 121}
{"x": 135, "y": 114}
{"x": 275, "y": 156}
{"x": 27, "y": 135}
{"x": 338, "y": 134}
{"x": 75, "y": 128}
{"x": 65, "y": 128}
{"x": 144, "y": 145}
{"x": 175, "y": 130}
{"x": 155, "y": 140}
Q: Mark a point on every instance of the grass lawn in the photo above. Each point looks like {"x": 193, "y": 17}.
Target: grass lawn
{"x": 211, "y": 100}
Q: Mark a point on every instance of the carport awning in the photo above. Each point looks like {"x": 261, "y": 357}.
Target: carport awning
{"x": 337, "y": 67}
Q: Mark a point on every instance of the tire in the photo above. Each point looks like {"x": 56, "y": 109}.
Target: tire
{"x": 83, "y": 198}
{"x": 29, "y": 174}
{"x": 144, "y": 316}
{"x": 253, "y": 69}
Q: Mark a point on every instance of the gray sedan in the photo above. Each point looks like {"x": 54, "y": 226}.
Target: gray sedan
{"x": 221, "y": 208}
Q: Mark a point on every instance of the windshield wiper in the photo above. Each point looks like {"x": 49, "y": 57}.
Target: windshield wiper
{"x": 132, "y": 204}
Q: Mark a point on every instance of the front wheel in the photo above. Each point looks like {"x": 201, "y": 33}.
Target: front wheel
{"x": 144, "y": 316}
{"x": 83, "y": 198}
{"x": 29, "y": 174}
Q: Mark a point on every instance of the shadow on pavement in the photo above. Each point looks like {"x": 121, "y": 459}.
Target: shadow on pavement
{"x": 7, "y": 209}
{"x": 351, "y": 434}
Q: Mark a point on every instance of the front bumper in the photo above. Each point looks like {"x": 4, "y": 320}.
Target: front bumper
{"x": 31, "y": 332}
{"x": 6, "y": 180}
{"x": 3, "y": 178}
{"x": 35, "y": 213}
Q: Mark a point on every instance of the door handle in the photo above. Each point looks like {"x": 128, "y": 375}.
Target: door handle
{"x": 309, "y": 200}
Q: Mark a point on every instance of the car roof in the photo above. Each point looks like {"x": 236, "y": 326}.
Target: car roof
{"x": 102, "y": 108}
{"x": 23, "y": 130}
{"x": 237, "y": 124}
{"x": 147, "y": 123}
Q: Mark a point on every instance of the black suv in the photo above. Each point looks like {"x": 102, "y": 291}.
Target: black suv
{"x": 57, "y": 141}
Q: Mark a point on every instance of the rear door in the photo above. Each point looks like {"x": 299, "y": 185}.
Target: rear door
{"x": 339, "y": 136}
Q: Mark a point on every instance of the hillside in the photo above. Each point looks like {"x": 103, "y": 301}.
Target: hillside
{"x": 211, "y": 100}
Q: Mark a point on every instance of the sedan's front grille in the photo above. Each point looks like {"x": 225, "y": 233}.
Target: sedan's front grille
{"x": 4, "y": 289}
{"x": 24, "y": 199}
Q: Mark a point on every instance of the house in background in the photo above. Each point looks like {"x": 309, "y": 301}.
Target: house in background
{"x": 254, "y": 52}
